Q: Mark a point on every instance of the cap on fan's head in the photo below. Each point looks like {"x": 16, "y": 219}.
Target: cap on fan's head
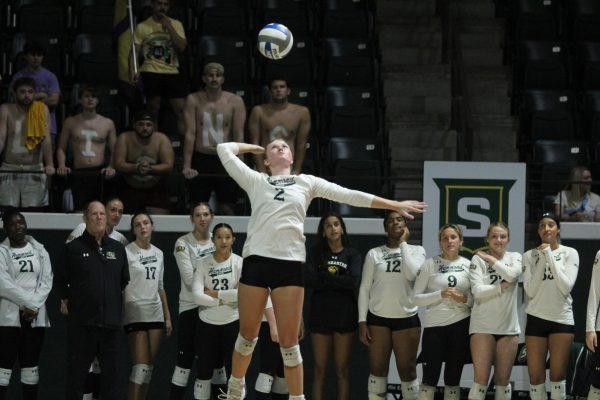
{"x": 143, "y": 115}
{"x": 213, "y": 66}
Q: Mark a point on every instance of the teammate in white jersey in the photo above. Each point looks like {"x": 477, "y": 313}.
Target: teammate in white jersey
{"x": 549, "y": 273}
{"x": 592, "y": 327}
{"x": 494, "y": 321}
{"x": 25, "y": 282}
{"x": 146, "y": 310}
{"x": 444, "y": 288}
{"x": 387, "y": 316}
{"x": 215, "y": 291}
{"x": 189, "y": 250}
{"x": 274, "y": 251}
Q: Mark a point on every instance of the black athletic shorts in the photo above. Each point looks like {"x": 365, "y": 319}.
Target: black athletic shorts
{"x": 271, "y": 273}
{"x": 395, "y": 324}
{"x": 143, "y": 326}
{"x": 544, "y": 328}
{"x": 169, "y": 86}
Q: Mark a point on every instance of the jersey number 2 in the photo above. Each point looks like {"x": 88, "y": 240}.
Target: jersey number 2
{"x": 279, "y": 195}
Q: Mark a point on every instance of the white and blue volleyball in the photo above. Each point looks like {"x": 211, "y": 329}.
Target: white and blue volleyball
{"x": 275, "y": 41}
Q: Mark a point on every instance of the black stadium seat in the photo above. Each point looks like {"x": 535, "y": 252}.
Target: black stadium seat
{"x": 94, "y": 59}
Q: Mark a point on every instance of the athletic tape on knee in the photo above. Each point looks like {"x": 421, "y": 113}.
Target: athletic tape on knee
{"x": 558, "y": 390}
{"x": 426, "y": 392}
{"x": 202, "y": 390}
{"x": 264, "y": 382}
{"x": 538, "y": 392}
{"x": 409, "y": 389}
{"x": 504, "y": 392}
{"x": 478, "y": 391}
{"x": 5, "y": 376}
{"x": 180, "y": 376}
{"x": 291, "y": 356}
{"x": 148, "y": 375}
{"x": 96, "y": 366}
{"x": 377, "y": 384}
{"x": 243, "y": 346}
{"x": 30, "y": 376}
{"x": 279, "y": 385}
{"x": 138, "y": 373}
{"x": 594, "y": 393}
{"x": 219, "y": 376}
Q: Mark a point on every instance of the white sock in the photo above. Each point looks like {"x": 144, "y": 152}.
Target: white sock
{"x": 410, "y": 389}
{"x": 426, "y": 392}
{"x": 451, "y": 392}
{"x": 477, "y": 391}
{"x": 594, "y": 393}
{"x": 558, "y": 390}
{"x": 538, "y": 392}
{"x": 504, "y": 392}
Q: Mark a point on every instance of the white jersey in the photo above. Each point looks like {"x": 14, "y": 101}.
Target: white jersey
{"x": 188, "y": 254}
{"x": 79, "y": 229}
{"x": 435, "y": 275}
{"x": 388, "y": 276}
{"x": 223, "y": 277}
{"x": 25, "y": 282}
{"x": 141, "y": 300}
{"x": 279, "y": 203}
{"x": 592, "y": 322}
{"x": 548, "y": 278}
{"x": 495, "y": 311}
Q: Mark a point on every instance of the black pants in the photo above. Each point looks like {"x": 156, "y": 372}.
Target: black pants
{"x": 271, "y": 362}
{"x": 214, "y": 346}
{"x": 85, "y": 343}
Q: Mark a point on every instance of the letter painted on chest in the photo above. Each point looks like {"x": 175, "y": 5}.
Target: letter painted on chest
{"x": 18, "y": 140}
{"x": 88, "y": 134}
{"x": 212, "y": 133}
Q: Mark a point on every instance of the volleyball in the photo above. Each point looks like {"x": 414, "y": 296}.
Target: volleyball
{"x": 275, "y": 41}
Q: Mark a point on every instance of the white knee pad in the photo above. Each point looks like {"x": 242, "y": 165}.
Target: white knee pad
{"x": 30, "y": 376}
{"x": 503, "y": 392}
{"x": 451, "y": 392}
{"x": 202, "y": 390}
{"x": 478, "y": 391}
{"x": 593, "y": 394}
{"x": 279, "y": 385}
{"x": 96, "y": 366}
{"x": 219, "y": 376}
{"x": 299, "y": 397}
{"x": 409, "y": 389}
{"x": 264, "y": 382}
{"x": 5, "y": 376}
{"x": 138, "y": 373}
{"x": 377, "y": 387}
{"x": 558, "y": 390}
{"x": 180, "y": 376}
{"x": 426, "y": 392}
{"x": 148, "y": 376}
{"x": 243, "y": 346}
{"x": 291, "y": 356}
{"x": 538, "y": 392}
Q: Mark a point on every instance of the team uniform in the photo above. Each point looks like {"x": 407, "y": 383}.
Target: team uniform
{"x": 446, "y": 322}
{"x": 548, "y": 278}
{"x": 219, "y": 317}
{"x": 142, "y": 306}
{"x": 494, "y": 311}
{"x": 592, "y": 324}
{"x": 334, "y": 280}
{"x": 25, "y": 282}
{"x": 188, "y": 253}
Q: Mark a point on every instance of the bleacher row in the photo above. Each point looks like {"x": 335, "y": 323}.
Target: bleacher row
{"x": 333, "y": 68}
{"x": 554, "y": 49}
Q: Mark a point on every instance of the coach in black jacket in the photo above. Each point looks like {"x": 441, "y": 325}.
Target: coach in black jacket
{"x": 90, "y": 279}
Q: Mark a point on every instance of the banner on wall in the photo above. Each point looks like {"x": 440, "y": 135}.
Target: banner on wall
{"x": 473, "y": 195}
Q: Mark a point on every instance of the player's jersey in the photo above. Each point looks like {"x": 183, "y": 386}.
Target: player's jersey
{"x": 279, "y": 204}
{"x": 113, "y": 235}
{"x": 435, "y": 275}
{"x": 224, "y": 277}
{"x": 141, "y": 300}
{"x": 388, "y": 276}
{"x": 188, "y": 254}
{"x": 548, "y": 278}
{"x": 592, "y": 322}
{"x": 495, "y": 311}
{"x": 25, "y": 281}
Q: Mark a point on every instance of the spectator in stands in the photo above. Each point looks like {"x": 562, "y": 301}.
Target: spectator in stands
{"x": 145, "y": 156}
{"x": 25, "y": 282}
{"x": 25, "y": 144}
{"x": 212, "y": 116}
{"x": 88, "y": 135}
{"x": 279, "y": 119}
{"x": 577, "y": 202}
{"x": 157, "y": 40}
{"x": 47, "y": 89}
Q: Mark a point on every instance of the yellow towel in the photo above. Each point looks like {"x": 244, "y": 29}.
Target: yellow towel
{"x": 36, "y": 125}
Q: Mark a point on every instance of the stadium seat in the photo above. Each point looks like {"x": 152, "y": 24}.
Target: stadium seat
{"x": 363, "y": 175}
{"x": 586, "y": 27}
{"x": 297, "y": 67}
{"x": 94, "y": 59}
{"x": 553, "y": 160}
{"x": 350, "y": 47}
{"x": 222, "y": 17}
{"x": 350, "y": 149}
{"x": 543, "y": 108}
{"x": 217, "y": 46}
{"x": 347, "y": 4}
{"x": 346, "y": 23}
{"x": 40, "y": 16}
{"x": 350, "y": 112}
{"x": 541, "y": 65}
{"x": 587, "y": 65}
{"x": 94, "y": 16}
{"x": 350, "y": 71}
{"x": 590, "y": 115}
{"x": 297, "y": 20}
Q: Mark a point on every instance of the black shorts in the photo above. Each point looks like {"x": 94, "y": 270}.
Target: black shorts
{"x": 544, "y": 328}
{"x": 136, "y": 199}
{"x": 143, "y": 326}
{"x": 494, "y": 335}
{"x": 271, "y": 273}
{"x": 333, "y": 310}
{"x": 395, "y": 324}
{"x": 201, "y": 186}
{"x": 169, "y": 86}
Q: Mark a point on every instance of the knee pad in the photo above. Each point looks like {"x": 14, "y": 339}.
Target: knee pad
{"x": 5, "y": 376}
{"x": 291, "y": 356}
{"x": 30, "y": 376}
{"x": 426, "y": 392}
{"x": 451, "y": 392}
{"x": 478, "y": 391}
{"x": 180, "y": 376}
{"x": 503, "y": 392}
{"x": 95, "y": 366}
{"x": 377, "y": 385}
{"x": 409, "y": 389}
{"x": 279, "y": 385}
{"x": 264, "y": 382}
{"x": 202, "y": 390}
{"x": 299, "y": 397}
{"x": 138, "y": 373}
{"x": 148, "y": 374}
{"x": 243, "y": 346}
{"x": 538, "y": 392}
{"x": 558, "y": 390}
{"x": 219, "y": 376}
